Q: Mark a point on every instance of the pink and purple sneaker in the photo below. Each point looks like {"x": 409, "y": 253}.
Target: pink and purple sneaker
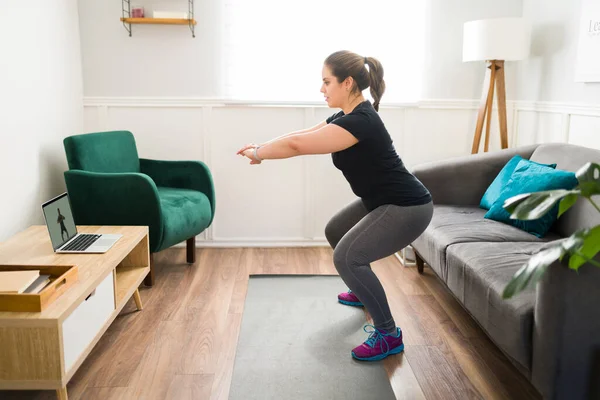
{"x": 349, "y": 299}
{"x": 379, "y": 345}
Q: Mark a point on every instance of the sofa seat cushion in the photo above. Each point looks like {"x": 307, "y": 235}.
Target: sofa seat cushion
{"x": 186, "y": 213}
{"x": 478, "y": 274}
{"x": 459, "y": 224}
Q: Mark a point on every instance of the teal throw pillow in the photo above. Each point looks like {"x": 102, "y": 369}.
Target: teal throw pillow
{"x": 527, "y": 178}
{"x": 493, "y": 191}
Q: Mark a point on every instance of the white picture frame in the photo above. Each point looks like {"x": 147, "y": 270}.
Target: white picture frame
{"x": 587, "y": 68}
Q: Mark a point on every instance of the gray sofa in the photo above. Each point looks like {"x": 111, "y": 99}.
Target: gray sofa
{"x": 551, "y": 333}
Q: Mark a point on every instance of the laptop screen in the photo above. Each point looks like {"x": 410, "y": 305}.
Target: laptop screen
{"x": 59, "y": 220}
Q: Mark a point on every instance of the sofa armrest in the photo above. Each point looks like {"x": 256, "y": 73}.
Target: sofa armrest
{"x": 193, "y": 175}
{"x": 463, "y": 180}
{"x": 566, "y": 339}
{"x": 115, "y": 199}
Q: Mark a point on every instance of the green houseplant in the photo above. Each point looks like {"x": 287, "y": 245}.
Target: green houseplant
{"x": 580, "y": 247}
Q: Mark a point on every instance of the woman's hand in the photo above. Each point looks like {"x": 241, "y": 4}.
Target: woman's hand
{"x": 250, "y": 154}
{"x": 246, "y": 147}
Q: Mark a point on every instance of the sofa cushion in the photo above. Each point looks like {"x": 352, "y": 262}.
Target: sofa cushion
{"x": 463, "y": 224}
{"x": 478, "y": 274}
{"x": 185, "y": 213}
{"x": 531, "y": 177}
{"x": 493, "y": 191}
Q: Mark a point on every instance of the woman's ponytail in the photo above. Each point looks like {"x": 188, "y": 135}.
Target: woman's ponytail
{"x": 376, "y": 82}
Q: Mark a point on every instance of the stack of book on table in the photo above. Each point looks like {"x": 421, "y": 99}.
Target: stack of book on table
{"x": 27, "y": 281}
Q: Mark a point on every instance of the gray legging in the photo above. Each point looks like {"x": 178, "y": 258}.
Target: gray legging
{"x": 360, "y": 237}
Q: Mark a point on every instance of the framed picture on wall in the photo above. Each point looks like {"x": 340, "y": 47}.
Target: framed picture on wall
{"x": 588, "y": 49}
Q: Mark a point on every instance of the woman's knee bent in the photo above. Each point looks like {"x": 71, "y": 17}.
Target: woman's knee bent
{"x": 345, "y": 260}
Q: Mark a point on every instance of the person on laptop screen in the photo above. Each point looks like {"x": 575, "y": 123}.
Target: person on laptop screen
{"x": 61, "y": 221}
{"x": 62, "y": 228}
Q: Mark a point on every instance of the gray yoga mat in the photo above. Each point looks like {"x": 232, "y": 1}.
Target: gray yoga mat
{"x": 295, "y": 343}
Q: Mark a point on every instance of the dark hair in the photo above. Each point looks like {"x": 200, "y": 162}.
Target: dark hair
{"x": 346, "y": 63}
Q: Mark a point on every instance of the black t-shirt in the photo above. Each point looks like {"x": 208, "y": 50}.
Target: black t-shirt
{"x": 372, "y": 167}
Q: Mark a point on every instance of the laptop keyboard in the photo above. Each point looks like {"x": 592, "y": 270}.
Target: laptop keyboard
{"x": 81, "y": 242}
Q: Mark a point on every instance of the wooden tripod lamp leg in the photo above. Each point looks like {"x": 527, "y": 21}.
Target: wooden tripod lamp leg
{"x": 501, "y": 95}
{"x": 490, "y": 102}
{"x": 483, "y": 107}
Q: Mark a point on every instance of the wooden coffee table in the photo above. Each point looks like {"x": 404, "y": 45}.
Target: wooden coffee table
{"x": 43, "y": 350}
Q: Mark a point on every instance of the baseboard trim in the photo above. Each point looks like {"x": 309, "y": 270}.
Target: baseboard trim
{"x": 255, "y": 243}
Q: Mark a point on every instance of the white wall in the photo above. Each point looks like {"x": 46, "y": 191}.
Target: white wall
{"x": 553, "y": 106}
{"x": 157, "y": 60}
{"x": 164, "y": 61}
{"x": 446, "y": 76}
{"x": 549, "y": 74}
{"x": 41, "y": 103}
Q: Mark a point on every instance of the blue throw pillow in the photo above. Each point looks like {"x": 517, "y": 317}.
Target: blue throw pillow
{"x": 493, "y": 191}
{"x": 527, "y": 178}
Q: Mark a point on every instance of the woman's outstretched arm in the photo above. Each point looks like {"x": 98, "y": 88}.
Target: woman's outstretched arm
{"x": 303, "y": 131}
{"x": 328, "y": 139}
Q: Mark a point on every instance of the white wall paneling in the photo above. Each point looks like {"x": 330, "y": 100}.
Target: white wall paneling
{"x": 288, "y": 202}
{"x": 584, "y": 130}
{"x": 256, "y": 202}
{"x": 544, "y": 122}
{"x": 539, "y": 127}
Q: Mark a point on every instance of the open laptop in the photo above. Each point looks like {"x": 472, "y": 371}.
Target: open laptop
{"x": 63, "y": 231}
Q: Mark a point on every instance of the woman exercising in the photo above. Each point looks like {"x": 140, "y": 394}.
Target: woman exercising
{"x": 393, "y": 208}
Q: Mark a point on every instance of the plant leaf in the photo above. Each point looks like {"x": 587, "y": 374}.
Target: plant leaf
{"x": 589, "y": 248}
{"x": 586, "y": 172}
{"x": 589, "y": 189}
{"x": 573, "y": 242}
{"x": 567, "y": 202}
{"x": 533, "y": 270}
{"x": 511, "y": 203}
{"x": 589, "y": 184}
{"x": 535, "y": 205}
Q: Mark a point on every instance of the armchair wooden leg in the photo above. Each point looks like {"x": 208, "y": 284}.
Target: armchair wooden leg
{"x": 149, "y": 281}
{"x": 191, "y": 250}
{"x": 420, "y": 263}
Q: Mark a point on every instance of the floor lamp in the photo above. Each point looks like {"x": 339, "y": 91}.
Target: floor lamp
{"x": 494, "y": 41}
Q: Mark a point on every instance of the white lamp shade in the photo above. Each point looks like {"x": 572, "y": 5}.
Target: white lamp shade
{"x": 507, "y": 39}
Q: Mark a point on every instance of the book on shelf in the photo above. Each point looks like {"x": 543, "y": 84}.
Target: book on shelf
{"x": 12, "y": 282}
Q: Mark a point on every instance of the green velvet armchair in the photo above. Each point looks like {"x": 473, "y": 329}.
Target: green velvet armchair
{"x": 108, "y": 184}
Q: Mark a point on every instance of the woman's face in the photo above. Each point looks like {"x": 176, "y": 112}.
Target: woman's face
{"x": 335, "y": 93}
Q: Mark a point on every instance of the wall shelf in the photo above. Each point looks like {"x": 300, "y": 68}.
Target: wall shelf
{"x": 159, "y": 21}
{"x": 128, "y": 21}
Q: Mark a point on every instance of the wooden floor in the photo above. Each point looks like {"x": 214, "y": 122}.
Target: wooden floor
{"x": 182, "y": 345}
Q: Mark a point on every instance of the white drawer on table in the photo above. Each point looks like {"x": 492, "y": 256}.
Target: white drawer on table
{"x": 81, "y": 327}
